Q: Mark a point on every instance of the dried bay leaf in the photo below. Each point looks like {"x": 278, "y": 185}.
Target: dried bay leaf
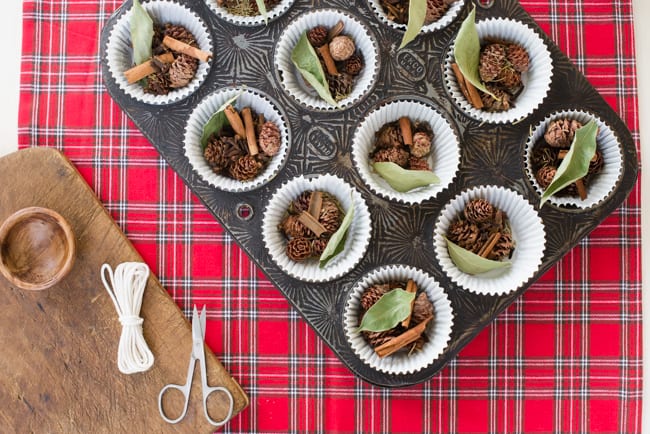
{"x": 417, "y": 14}
{"x": 336, "y": 243}
{"x": 217, "y": 121}
{"x": 261, "y": 6}
{"x": 404, "y": 180}
{"x": 471, "y": 263}
{"x": 391, "y": 309}
{"x": 305, "y": 59}
{"x": 575, "y": 164}
{"x": 467, "y": 52}
{"x": 141, "y": 27}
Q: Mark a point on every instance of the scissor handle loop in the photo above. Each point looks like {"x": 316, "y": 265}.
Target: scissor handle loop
{"x": 185, "y": 390}
{"x": 207, "y": 391}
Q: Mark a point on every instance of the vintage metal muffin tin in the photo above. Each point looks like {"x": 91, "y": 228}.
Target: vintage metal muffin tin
{"x": 321, "y": 142}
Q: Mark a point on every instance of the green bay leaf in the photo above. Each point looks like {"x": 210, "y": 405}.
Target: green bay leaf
{"x": 576, "y": 162}
{"x": 391, "y": 309}
{"x": 217, "y": 121}
{"x": 305, "y": 59}
{"x": 261, "y": 6}
{"x": 141, "y": 27}
{"x": 417, "y": 14}
{"x": 336, "y": 243}
{"x": 471, "y": 263}
{"x": 467, "y": 51}
{"x": 404, "y": 180}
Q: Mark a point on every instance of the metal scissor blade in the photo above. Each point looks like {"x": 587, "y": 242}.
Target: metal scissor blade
{"x": 197, "y": 332}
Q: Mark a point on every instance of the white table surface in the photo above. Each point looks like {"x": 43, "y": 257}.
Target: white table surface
{"x": 10, "y": 30}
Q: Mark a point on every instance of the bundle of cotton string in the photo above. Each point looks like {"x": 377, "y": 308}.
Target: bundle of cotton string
{"x": 126, "y": 288}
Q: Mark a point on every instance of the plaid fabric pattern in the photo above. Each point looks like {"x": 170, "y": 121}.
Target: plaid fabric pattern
{"x": 566, "y": 357}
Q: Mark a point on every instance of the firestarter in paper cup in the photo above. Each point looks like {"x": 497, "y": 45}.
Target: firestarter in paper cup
{"x": 443, "y": 160}
{"x": 292, "y": 80}
{"x": 356, "y": 242}
{"x": 120, "y": 53}
{"x": 527, "y": 233}
{"x": 604, "y": 183}
{"x": 438, "y": 330}
{"x": 441, "y": 23}
{"x": 244, "y": 20}
{"x": 249, "y": 97}
{"x": 536, "y": 81}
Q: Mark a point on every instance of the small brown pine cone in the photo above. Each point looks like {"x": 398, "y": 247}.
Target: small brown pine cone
{"x": 503, "y": 248}
{"x": 292, "y": 227}
{"x": 301, "y": 203}
{"x": 215, "y": 154}
{"x": 422, "y": 308}
{"x": 544, "y": 176}
{"x": 518, "y": 57}
{"x": 510, "y": 79}
{"x": 421, "y": 145}
{"x": 463, "y": 233}
{"x": 318, "y": 246}
{"x": 501, "y": 103}
{"x": 398, "y": 156}
{"x": 340, "y": 85}
{"x": 418, "y": 164}
{"x": 299, "y": 249}
{"x": 245, "y": 168}
{"x": 435, "y": 10}
{"x": 389, "y": 136}
{"x": 317, "y": 36}
{"x": 180, "y": 33}
{"x": 372, "y": 294}
{"x": 330, "y": 216}
{"x": 596, "y": 164}
{"x": 157, "y": 84}
{"x": 560, "y": 132}
{"x": 478, "y": 211}
{"x": 342, "y": 48}
{"x": 353, "y": 65}
{"x": 269, "y": 138}
{"x": 491, "y": 61}
{"x": 376, "y": 339}
{"x": 182, "y": 71}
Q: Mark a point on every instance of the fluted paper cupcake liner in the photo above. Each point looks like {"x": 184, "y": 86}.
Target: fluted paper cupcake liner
{"x": 438, "y": 331}
{"x": 527, "y": 232}
{"x": 120, "y": 53}
{"x": 443, "y": 160}
{"x": 536, "y": 81}
{"x": 358, "y": 235}
{"x": 289, "y": 75}
{"x": 249, "y": 97}
{"x": 255, "y": 20}
{"x": 441, "y": 23}
{"x": 604, "y": 183}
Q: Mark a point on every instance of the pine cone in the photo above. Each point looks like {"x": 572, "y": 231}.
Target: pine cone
{"x": 376, "y": 339}
{"x": 422, "y": 308}
{"x": 318, "y": 246}
{"x": 269, "y": 138}
{"x": 518, "y": 57}
{"x": 372, "y": 294}
{"x": 342, "y": 48}
{"x": 544, "y": 156}
{"x": 317, "y": 36}
{"x": 245, "y": 168}
{"x": 510, "y": 79}
{"x": 292, "y": 227}
{"x": 340, "y": 85}
{"x": 560, "y": 132}
{"x": 463, "y": 233}
{"x": 596, "y": 165}
{"x": 157, "y": 84}
{"x": 478, "y": 211}
{"x": 330, "y": 216}
{"x": 180, "y": 33}
{"x": 421, "y": 145}
{"x": 491, "y": 61}
{"x": 298, "y": 249}
{"x": 502, "y": 103}
{"x": 418, "y": 164}
{"x": 389, "y": 136}
{"x": 215, "y": 154}
{"x": 435, "y": 10}
{"x": 545, "y": 176}
{"x": 398, "y": 156}
{"x": 182, "y": 71}
{"x": 503, "y": 248}
{"x": 301, "y": 203}
{"x": 353, "y": 65}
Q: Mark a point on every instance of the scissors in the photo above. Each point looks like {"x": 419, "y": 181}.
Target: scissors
{"x": 198, "y": 353}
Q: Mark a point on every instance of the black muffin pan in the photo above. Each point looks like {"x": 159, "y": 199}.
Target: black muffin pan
{"x": 321, "y": 143}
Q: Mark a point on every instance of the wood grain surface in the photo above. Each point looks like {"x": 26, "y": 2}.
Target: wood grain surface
{"x": 58, "y": 370}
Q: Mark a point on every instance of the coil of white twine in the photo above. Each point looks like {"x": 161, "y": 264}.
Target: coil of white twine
{"x": 126, "y": 288}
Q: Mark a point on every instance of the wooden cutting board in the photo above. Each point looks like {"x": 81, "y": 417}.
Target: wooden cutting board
{"x": 58, "y": 347}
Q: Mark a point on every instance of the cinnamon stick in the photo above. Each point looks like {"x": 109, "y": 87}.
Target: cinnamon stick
{"x": 147, "y": 68}
{"x": 182, "y": 47}
{"x": 335, "y": 31}
{"x": 315, "y": 204}
{"x": 468, "y": 89}
{"x": 412, "y": 288}
{"x": 235, "y": 121}
{"x": 582, "y": 190}
{"x": 312, "y": 224}
{"x": 562, "y": 155}
{"x": 411, "y": 335}
{"x": 489, "y": 245}
{"x": 324, "y": 51}
{"x": 249, "y": 126}
{"x": 405, "y": 128}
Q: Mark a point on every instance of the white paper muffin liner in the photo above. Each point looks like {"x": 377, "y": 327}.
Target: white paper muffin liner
{"x": 120, "y": 53}
{"x": 443, "y": 160}
{"x": 536, "y": 81}
{"x": 203, "y": 112}
{"x": 438, "y": 330}
{"x": 602, "y": 184}
{"x": 292, "y": 80}
{"x": 527, "y": 232}
{"x": 441, "y": 23}
{"x": 358, "y": 235}
{"x": 256, "y": 20}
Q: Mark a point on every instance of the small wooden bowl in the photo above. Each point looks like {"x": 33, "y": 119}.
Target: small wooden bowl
{"x": 37, "y": 248}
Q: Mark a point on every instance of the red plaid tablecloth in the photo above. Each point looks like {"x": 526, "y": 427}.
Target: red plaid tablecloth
{"x": 565, "y": 357}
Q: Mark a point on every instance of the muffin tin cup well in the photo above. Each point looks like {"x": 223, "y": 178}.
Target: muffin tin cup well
{"x": 119, "y": 53}
{"x": 608, "y": 144}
